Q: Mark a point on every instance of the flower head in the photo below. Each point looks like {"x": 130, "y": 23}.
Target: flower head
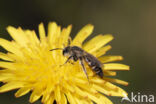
{"x": 29, "y": 65}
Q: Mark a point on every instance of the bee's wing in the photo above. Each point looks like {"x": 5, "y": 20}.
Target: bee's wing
{"x": 92, "y": 60}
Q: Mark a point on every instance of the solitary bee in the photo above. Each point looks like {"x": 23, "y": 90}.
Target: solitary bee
{"x": 76, "y": 53}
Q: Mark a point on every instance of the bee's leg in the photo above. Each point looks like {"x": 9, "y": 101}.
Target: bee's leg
{"x": 83, "y": 67}
{"x": 67, "y": 60}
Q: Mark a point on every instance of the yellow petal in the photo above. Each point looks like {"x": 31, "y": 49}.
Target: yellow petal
{"x": 97, "y": 80}
{"x": 116, "y": 81}
{"x": 70, "y": 98}
{"x": 110, "y": 89}
{"x": 50, "y": 100}
{"x": 114, "y": 90}
{"x": 18, "y": 35}
{"x": 68, "y": 87}
{"x": 97, "y": 42}
{"x": 80, "y": 92}
{"x": 58, "y": 40}
{"x": 65, "y": 35}
{"x": 5, "y": 57}
{"x": 80, "y": 81}
{"x": 78, "y": 101}
{"x": 57, "y": 94}
{"x": 105, "y": 59}
{"x": 102, "y": 51}
{"x": 5, "y": 75}
{"x": 101, "y": 89}
{"x": 10, "y": 86}
{"x": 33, "y": 39}
{"x": 7, "y": 65}
{"x": 63, "y": 99}
{"x": 92, "y": 97}
{"x": 104, "y": 100}
{"x": 109, "y": 73}
{"x": 42, "y": 32}
{"x": 22, "y": 91}
{"x": 94, "y": 40}
{"x": 115, "y": 66}
{"x": 83, "y": 34}
{"x": 45, "y": 96}
{"x": 86, "y": 87}
{"x": 36, "y": 94}
{"x": 52, "y": 29}
{"x": 9, "y": 47}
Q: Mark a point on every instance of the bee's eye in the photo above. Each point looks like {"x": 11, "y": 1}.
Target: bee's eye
{"x": 65, "y": 51}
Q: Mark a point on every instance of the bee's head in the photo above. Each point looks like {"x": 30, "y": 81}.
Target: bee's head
{"x": 66, "y": 51}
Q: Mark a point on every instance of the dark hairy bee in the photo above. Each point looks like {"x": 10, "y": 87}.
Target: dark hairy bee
{"x": 76, "y": 53}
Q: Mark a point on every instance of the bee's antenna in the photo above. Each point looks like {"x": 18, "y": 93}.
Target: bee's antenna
{"x": 56, "y": 49}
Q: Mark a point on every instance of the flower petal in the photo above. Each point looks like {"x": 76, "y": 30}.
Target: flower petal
{"x": 10, "y": 86}
{"x": 105, "y": 59}
{"x": 7, "y": 65}
{"x": 5, "y": 75}
{"x": 50, "y": 100}
{"x": 109, "y": 89}
{"x": 100, "y": 41}
{"x": 114, "y": 90}
{"x": 70, "y": 98}
{"x": 52, "y": 30}
{"x": 116, "y": 81}
{"x": 36, "y": 94}
{"x": 105, "y": 100}
{"x": 32, "y": 37}
{"x": 63, "y": 99}
{"x": 65, "y": 35}
{"x": 5, "y": 57}
{"x": 9, "y": 47}
{"x": 18, "y": 35}
{"x": 57, "y": 94}
{"x": 22, "y": 91}
{"x": 109, "y": 73}
{"x": 102, "y": 51}
{"x": 115, "y": 66}
{"x": 83, "y": 34}
{"x": 42, "y": 32}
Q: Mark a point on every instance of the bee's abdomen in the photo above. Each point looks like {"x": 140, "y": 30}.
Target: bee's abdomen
{"x": 94, "y": 64}
{"x": 95, "y": 67}
{"x": 97, "y": 70}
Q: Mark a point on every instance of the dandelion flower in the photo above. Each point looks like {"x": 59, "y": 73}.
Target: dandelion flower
{"x": 30, "y": 66}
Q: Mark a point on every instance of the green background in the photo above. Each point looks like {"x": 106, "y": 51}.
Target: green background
{"x": 132, "y": 23}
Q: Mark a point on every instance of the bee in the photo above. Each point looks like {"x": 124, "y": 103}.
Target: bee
{"x": 76, "y": 53}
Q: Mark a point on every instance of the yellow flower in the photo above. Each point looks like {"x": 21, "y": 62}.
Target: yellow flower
{"x": 29, "y": 65}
